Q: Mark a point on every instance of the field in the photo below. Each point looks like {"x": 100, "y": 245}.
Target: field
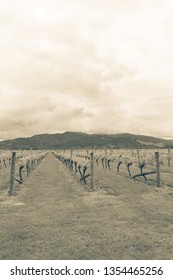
{"x": 55, "y": 216}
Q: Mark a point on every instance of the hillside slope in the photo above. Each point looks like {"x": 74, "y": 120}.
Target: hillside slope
{"x": 68, "y": 140}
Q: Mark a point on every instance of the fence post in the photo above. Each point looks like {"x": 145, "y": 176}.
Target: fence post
{"x": 157, "y": 169}
{"x": 106, "y": 161}
{"x": 12, "y": 177}
{"x": 138, "y": 152}
{"x": 169, "y": 157}
{"x": 91, "y": 172}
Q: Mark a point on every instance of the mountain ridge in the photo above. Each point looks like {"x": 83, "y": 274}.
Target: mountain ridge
{"x": 71, "y": 140}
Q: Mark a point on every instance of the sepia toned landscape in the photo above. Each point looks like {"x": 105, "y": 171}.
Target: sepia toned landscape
{"x": 86, "y": 138}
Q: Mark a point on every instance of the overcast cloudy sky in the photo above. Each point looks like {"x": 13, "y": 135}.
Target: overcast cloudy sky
{"x": 96, "y": 66}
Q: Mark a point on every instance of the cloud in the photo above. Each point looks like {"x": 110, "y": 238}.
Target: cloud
{"x": 85, "y": 65}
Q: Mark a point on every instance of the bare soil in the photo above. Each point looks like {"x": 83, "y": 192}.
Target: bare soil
{"x": 53, "y": 216}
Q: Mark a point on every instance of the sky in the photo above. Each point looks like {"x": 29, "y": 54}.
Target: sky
{"x": 94, "y": 66}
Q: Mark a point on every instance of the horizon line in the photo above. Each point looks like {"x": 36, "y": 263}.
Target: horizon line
{"x": 90, "y": 133}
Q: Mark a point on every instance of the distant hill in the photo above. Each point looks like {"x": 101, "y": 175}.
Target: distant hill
{"x": 69, "y": 140}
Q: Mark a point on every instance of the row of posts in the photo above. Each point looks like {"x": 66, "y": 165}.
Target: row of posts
{"x": 12, "y": 175}
{"x": 111, "y": 152}
{"x": 157, "y": 158}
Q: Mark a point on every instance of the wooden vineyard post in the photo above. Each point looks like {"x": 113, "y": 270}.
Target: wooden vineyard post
{"x": 169, "y": 157}
{"x": 106, "y": 161}
{"x": 12, "y": 177}
{"x": 138, "y": 152}
{"x": 157, "y": 169}
{"x": 91, "y": 172}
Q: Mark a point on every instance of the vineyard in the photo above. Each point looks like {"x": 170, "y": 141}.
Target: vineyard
{"x": 15, "y": 167}
{"x": 152, "y": 167}
{"x": 114, "y": 203}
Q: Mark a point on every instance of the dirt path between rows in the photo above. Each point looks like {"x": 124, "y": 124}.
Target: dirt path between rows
{"x": 54, "y": 217}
